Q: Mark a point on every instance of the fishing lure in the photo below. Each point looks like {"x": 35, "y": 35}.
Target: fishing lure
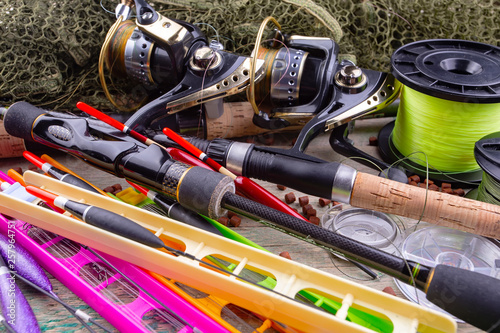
{"x": 58, "y": 173}
{"x": 291, "y": 277}
{"x": 98, "y": 284}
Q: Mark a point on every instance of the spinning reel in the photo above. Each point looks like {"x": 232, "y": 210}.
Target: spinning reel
{"x": 297, "y": 81}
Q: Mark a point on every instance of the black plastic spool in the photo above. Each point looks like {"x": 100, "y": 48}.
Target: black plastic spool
{"x": 455, "y": 70}
{"x": 487, "y": 154}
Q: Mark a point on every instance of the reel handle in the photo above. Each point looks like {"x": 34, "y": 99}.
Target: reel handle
{"x": 388, "y": 196}
{"x": 468, "y": 295}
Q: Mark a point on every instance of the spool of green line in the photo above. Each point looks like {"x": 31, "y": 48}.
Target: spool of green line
{"x": 487, "y": 153}
{"x": 450, "y": 99}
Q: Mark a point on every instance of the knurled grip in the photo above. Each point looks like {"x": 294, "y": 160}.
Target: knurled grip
{"x": 172, "y": 178}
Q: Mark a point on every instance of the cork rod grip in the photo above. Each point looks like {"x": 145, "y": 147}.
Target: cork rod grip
{"x": 388, "y": 196}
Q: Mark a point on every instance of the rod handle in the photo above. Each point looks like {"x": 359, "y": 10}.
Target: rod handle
{"x": 388, "y": 196}
{"x": 468, "y": 295}
{"x": 305, "y": 176}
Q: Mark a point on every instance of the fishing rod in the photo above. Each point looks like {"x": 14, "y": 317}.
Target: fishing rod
{"x": 201, "y": 190}
{"x": 202, "y": 244}
{"x": 243, "y": 185}
{"x": 210, "y": 193}
{"x": 430, "y": 280}
{"x": 197, "y": 152}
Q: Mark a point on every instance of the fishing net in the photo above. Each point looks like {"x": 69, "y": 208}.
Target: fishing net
{"x": 50, "y": 49}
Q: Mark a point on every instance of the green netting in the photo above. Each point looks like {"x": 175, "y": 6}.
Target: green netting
{"x": 49, "y": 49}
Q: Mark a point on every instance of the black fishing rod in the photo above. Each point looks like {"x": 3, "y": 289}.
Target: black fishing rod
{"x": 475, "y": 298}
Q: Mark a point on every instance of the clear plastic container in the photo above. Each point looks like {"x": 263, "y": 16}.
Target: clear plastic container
{"x": 367, "y": 226}
{"x": 439, "y": 245}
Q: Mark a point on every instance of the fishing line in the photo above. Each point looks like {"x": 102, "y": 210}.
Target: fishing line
{"x": 68, "y": 249}
{"x": 487, "y": 156}
{"x": 253, "y": 62}
{"x": 447, "y": 103}
{"x": 445, "y": 130}
{"x": 254, "y": 276}
{"x": 6, "y": 325}
{"x": 131, "y": 281}
{"x": 105, "y": 9}
{"x": 372, "y": 228}
{"x": 111, "y": 35}
{"x": 212, "y": 27}
{"x": 489, "y": 190}
{"x": 80, "y": 315}
{"x": 201, "y": 91}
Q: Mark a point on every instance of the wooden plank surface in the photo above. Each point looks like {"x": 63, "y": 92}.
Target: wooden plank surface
{"x": 52, "y": 317}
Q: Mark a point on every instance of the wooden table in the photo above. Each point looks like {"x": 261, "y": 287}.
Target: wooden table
{"x": 54, "y": 318}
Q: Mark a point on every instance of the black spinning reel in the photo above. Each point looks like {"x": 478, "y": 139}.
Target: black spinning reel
{"x": 292, "y": 81}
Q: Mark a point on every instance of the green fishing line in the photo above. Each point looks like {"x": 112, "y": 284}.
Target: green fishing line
{"x": 444, "y": 130}
{"x": 489, "y": 190}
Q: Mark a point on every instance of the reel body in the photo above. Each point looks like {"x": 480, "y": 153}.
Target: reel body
{"x": 299, "y": 82}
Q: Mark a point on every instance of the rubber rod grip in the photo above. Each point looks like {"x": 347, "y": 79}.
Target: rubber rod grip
{"x": 468, "y": 295}
{"x": 19, "y": 119}
{"x": 308, "y": 177}
{"x": 388, "y": 196}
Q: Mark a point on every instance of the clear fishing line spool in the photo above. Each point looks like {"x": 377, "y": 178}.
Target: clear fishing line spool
{"x": 439, "y": 245}
{"x": 450, "y": 99}
{"x": 367, "y": 226}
